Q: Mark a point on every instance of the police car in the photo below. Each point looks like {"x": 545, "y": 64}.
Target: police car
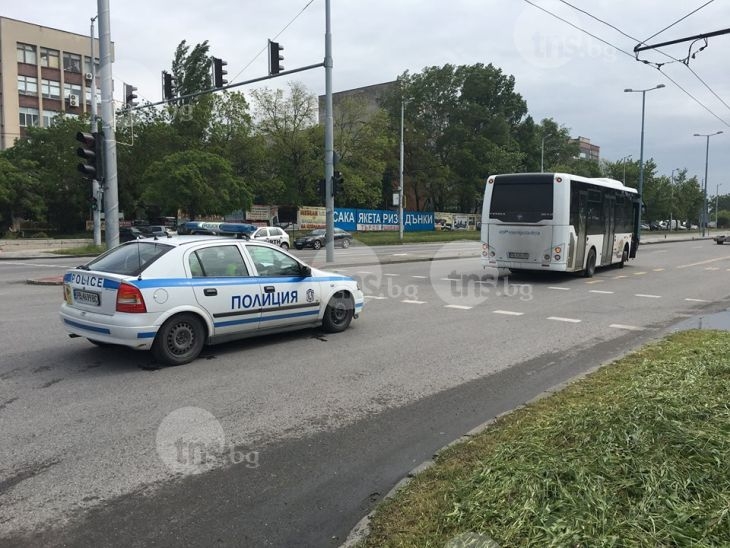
{"x": 175, "y": 295}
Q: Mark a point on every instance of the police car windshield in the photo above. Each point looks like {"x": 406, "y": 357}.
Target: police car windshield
{"x": 129, "y": 259}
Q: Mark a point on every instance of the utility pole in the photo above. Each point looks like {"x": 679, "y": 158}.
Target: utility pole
{"x": 400, "y": 184}
{"x": 111, "y": 192}
{"x": 96, "y": 213}
{"x": 329, "y": 169}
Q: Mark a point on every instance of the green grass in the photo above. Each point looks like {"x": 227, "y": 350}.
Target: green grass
{"x": 636, "y": 454}
{"x": 393, "y": 238}
{"x": 82, "y": 250}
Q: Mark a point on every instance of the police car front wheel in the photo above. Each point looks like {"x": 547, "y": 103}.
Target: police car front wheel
{"x": 180, "y": 340}
{"x": 339, "y": 313}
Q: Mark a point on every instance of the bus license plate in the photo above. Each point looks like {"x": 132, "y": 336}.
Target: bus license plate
{"x": 86, "y": 297}
{"x": 515, "y": 255}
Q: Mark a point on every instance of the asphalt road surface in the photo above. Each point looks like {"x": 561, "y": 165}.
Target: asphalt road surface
{"x": 313, "y": 429}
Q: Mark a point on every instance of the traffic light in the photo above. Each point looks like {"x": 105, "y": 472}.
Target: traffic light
{"x": 322, "y": 188}
{"x": 219, "y": 73}
{"x": 168, "y": 90}
{"x": 91, "y": 152}
{"x": 130, "y": 96}
{"x": 275, "y": 58}
{"x": 337, "y": 181}
{"x": 94, "y": 203}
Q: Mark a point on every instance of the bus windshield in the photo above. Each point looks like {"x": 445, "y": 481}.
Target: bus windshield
{"x": 522, "y": 199}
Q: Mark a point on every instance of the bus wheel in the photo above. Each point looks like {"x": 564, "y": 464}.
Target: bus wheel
{"x": 590, "y": 264}
{"x": 624, "y": 257}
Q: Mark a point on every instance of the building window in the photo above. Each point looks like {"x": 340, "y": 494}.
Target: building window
{"x": 71, "y": 62}
{"x": 49, "y": 117}
{"x": 26, "y": 54}
{"x": 27, "y": 85}
{"x": 72, "y": 89}
{"x": 88, "y": 95}
{"x": 51, "y": 89}
{"x": 50, "y": 58}
{"x": 87, "y": 65}
{"x": 28, "y": 116}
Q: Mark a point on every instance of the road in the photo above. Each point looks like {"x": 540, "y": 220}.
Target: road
{"x": 317, "y": 427}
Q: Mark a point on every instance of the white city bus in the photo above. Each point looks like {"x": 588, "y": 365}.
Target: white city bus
{"x": 558, "y": 222}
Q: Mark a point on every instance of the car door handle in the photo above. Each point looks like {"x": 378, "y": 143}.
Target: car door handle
{"x": 210, "y": 292}
{"x": 269, "y": 289}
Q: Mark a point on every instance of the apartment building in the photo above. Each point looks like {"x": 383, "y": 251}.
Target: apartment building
{"x": 43, "y": 72}
{"x": 587, "y": 150}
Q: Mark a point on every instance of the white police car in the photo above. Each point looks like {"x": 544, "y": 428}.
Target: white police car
{"x": 175, "y": 295}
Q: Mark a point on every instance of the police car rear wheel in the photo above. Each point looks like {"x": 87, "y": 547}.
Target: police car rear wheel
{"x": 180, "y": 340}
{"x": 338, "y": 314}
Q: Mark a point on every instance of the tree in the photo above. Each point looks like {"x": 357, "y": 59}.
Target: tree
{"x": 294, "y": 142}
{"x": 191, "y": 71}
{"x": 198, "y": 182}
{"x": 20, "y": 192}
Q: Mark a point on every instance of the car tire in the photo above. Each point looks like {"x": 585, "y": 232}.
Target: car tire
{"x": 339, "y": 313}
{"x": 300, "y": 247}
{"x": 590, "y": 269}
{"x": 284, "y": 245}
{"x": 317, "y": 244}
{"x": 345, "y": 243}
{"x": 180, "y": 340}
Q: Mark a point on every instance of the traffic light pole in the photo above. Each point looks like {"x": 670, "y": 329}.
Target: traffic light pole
{"x": 96, "y": 214}
{"x": 111, "y": 192}
{"x": 329, "y": 169}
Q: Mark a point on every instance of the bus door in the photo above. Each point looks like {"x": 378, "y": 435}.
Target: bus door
{"x": 581, "y": 229}
{"x": 609, "y": 231}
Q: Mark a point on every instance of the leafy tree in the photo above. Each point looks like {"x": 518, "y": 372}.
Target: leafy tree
{"x": 21, "y": 195}
{"x": 191, "y": 71}
{"x": 288, "y": 124}
{"x": 199, "y": 182}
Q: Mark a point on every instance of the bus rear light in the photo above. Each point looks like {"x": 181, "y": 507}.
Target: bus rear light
{"x": 492, "y": 254}
{"x": 490, "y": 181}
{"x": 558, "y": 179}
{"x": 557, "y": 257}
{"x": 558, "y": 250}
{"x": 129, "y": 299}
{"x": 546, "y": 257}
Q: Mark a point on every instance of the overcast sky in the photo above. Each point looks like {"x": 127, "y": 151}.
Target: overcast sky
{"x": 561, "y": 72}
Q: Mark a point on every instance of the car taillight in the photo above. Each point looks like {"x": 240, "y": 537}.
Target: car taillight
{"x": 129, "y": 299}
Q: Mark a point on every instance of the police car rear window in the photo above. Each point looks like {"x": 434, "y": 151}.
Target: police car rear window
{"x": 129, "y": 259}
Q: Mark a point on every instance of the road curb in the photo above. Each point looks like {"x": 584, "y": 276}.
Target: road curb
{"x": 51, "y": 280}
{"x": 361, "y": 531}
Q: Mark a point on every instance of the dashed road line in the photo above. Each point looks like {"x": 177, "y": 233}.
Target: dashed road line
{"x": 644, "y": 295}
{"x": 619, "y": 277}
{"x": 376, "y": 297}
{"x": 409, "y": 301}
{"x": 595, "y": 281}
{"x": 420, "y": 277}
{"x": 703, "y": 262}
{"x": 601, "y": 292}
{"x": 400, "y": 254}
{"x": 559, "y": 288}
{"x": 697, "y": 300}
{"x": 639, "y": 273}
{"x": 712, "y": 268}
{"x": 391, "y": 275}
{"x": 458, "y": 307}
{"x": 627, "y": 327}
{"x": 658, "y": 270}
{"x": 559, "y": 319}
{"x": 507, "y": 312}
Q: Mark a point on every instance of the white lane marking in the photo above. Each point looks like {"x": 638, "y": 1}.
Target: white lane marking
{"x": 712, "y": 268}
{"x": 376, "y": 297}
{"x": 449, "y": 279}
{"x": 507, "y": 312}
{"x": 559, "y": 319}
{"x": 639, "y": 273}
{"x": 648, "y": 296}
{"x": 703, "y": 262}
{"x": 601, "y": 292}
{"x": 408, "y": 301}
{"x": 619, "y": 277}
{"x": 697, "y": 300}
{"x": 364, "y": 272}
{"x": 697, "y": 247}
{"x": 627, "y": 327}
{"x": 420, "y": 277}
{"x": 391, "y": 275}
{"x": 458, "y": 307}
{"x": 595, "y": 282}
{"x": 400, "y": 254}
{"x": 559, "y": 288}
{"x": 658, "y": 270}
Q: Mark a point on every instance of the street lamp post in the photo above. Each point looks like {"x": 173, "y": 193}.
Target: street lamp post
{"x": 623, "y": 161}
{"x": 703, "y": 220}
{"x": 671, "y": 202}
{"x": 641, "y": 153}
{"x": 717, "y": 203}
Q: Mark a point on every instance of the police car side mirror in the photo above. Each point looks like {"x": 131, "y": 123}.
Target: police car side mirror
{"x": 305, "y": 271}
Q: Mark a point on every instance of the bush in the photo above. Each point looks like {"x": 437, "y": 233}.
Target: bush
{"x": 39, "y": 235}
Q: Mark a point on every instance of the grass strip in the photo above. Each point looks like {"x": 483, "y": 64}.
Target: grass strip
{"x": 393, "y": 238}
{"x": 635, "y": 454}
{"x": 82, "y": 250}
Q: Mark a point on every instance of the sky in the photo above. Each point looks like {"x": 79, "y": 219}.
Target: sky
{"x": 561, "y": 72}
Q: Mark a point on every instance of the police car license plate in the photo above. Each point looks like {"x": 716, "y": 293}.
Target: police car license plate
{"x": 515, "y": 255}
{"x": 86, "y": 297}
